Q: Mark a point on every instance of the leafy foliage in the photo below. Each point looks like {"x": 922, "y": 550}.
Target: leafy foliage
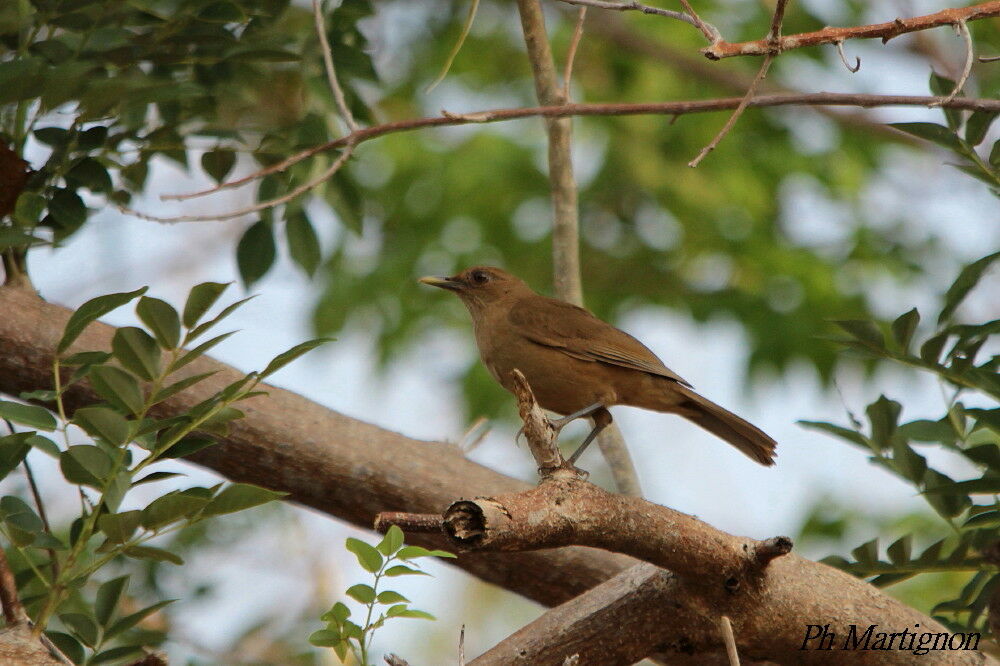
{"x": 126, "y": 438}
{"x": 970, "y": 507}
{"x": 346, "y": 636}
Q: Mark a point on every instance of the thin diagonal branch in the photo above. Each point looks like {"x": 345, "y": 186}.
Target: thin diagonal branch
{"x": 884, "y": 31}
{"x": 331, "y": 72}
{"x": 262, "y": 205}
{"x": 646, "y": 9}
{"x": 963, "y": 31}
{"x": 773, "y": 35}
{"x": 581, "y": 17}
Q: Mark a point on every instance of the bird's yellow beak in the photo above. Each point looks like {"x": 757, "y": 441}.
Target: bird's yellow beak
{"x": 441, "y": 282}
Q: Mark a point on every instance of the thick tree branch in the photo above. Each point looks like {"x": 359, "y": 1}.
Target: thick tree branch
{"x": 341, "y": 466}
{"x": 769, "y": 595}
{"x": 884, "y": 31}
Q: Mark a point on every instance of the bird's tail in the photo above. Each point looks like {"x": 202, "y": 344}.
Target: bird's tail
{"x": 719, "y": 421}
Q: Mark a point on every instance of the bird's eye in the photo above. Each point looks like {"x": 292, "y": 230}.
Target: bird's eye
{"x": 480, "y": 277}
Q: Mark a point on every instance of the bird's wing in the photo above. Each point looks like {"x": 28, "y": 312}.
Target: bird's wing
{"x": 577, "y": 333}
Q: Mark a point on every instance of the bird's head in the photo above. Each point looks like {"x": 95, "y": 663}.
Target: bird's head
{"x": 480, "y": 285}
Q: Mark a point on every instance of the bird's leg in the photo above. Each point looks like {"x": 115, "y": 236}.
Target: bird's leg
{"x": 559, "y": 424}
{"x": 602, "y": 419}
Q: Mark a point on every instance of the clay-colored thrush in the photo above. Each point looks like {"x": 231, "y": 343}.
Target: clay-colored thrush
{"x": 578, "y": 365}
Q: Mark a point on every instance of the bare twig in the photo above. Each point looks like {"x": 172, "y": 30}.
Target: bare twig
{"x": 331, "y": 72}
{"x": 285, "y": 198}
{"x": 963, "y": 31}
{"x": 829, "y": 35}
{"x": 773, "y": 35}
{"x": 581, "y": 17}
{"x": 761, "y": 73}
{"x": 565, "y": 110}
{"x": 843, "y": 59}
{"x": 708, "y": 30}
{"x": 726, "y": 629}
{"x": 989, "y": 58}
{"x": 408, "y": 522}
{"x": 466, "y": 27}
{"x": 461, "y": 647}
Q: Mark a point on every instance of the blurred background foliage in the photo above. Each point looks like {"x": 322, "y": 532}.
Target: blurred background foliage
{"x": 104, "y": 90}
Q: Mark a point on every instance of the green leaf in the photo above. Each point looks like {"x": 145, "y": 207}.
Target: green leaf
{"x": 935, "y": 133}
{"x": 883, "y": 415}
{"x": 90, "y": 311}
{"x": 240, "y": 496}
{"x": 123, "y": 652}
{"x": 368, "y": 557}
{"x": 864, "y": 331}
{"x": 222, "y": 12}
{"x": 56, "y": 137}
{"x": 401, "y": 610}
{"x": 391, "y": 597}
{"x": 402, "y": 570}
{"x": 978, "y": 125}
{"x": 82, "y": 627}
{"x": 108, "y": 595}
{"x": 170, "y": 508}
{"x": 324, "y": 638}
{"x": 105, "y": 423}
{"x": 119, "y": 527}
{"x": 255, "y": 252}
{"x": 362, "y": 593}
{"x": 899, "y": 551}
{"x": 200, "y": 299}
{"x": 130, "y": 621}
{"x": 85, "y": 465}
{"x": 187, "y": 446}
{"x": 28, "y": 415}
{"x": 413, "y": 552}
{"x": 67, "y": 209}
{"x": 930, "y": 351}
{"x": 154, "y": 554}
{"x": 200, "y": 350}
{"x": 90, "y": 173}
{"x": 391, "y": 542}
{"x": 303, "y": 243}
{"x": 17, "y": 513}
{"x": 904, "y": 327}
{"x": 866, "y": 553}
{"x": 153, "y": 477}
{"x": 13, "y": 449}
{"x": 86, "y": 358}
{"x": 228, "y": 310}
{"x": 162, "y": 320}
{"x": 995, "y": 155}
{"x": 137, "y": 351}
{"x": 337, "y": 614}
{"x": 179, "y": 386}
{"x": 284, "y": 358}
{"x": 943, "y": 495}
{"x": 28, "y": 209}
{"x": 117, "y": 387}
{"x": 44, "y": 444}
{"x": 68, "y": 645}
{"x": 910, "y": 464}
{"x": 964, "y": 283}
{"x": 218, "y": 163}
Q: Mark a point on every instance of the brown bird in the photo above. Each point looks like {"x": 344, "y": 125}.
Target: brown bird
{"x": 578, "y": 365}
